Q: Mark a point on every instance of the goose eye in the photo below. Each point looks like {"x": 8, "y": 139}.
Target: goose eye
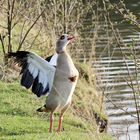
{"x": 62, "y": 37}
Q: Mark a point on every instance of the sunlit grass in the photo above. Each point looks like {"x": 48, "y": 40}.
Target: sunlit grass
{"x": 19, "y": 119}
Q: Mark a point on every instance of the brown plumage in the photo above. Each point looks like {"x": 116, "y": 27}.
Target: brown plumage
{"x": 73, "y": 79}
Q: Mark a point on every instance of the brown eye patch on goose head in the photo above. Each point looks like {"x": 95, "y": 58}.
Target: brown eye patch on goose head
{"x": 62, "y": 37}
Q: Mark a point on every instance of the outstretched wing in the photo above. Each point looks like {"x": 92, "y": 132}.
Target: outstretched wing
{"x": 36, "y": 72}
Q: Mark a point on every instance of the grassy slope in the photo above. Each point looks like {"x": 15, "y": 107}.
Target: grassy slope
{"x": 19, "y": 119}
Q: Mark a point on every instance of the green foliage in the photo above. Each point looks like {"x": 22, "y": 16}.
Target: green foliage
{"x": 19, "y": 119}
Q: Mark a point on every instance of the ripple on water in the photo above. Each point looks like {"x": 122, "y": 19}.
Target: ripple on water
{"x": 120, "y": 103}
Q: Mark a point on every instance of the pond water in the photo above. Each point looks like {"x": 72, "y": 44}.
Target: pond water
{"x": 113, "y": 75}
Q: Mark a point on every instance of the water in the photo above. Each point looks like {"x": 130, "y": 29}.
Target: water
{"x": 120, "y": 105}
{"x": 113, "y": 78}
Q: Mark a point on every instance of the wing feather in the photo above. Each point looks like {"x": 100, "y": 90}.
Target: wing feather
{"x": 36, "y": 72}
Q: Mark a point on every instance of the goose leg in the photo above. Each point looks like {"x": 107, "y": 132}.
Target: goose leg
{"x": 51, "y": 122}
{"x": 60, "y": 123}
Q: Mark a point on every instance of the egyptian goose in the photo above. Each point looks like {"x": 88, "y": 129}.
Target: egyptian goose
{"x": 56, "y": 79}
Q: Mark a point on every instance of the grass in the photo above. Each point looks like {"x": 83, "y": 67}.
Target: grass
{"x": 19, "y": 119}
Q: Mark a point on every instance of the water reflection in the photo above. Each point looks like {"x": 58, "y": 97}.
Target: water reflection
{"x": 114, "y": 77}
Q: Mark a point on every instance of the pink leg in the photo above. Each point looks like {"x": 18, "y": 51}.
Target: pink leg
{"x": 51, "y": 122}
{"x": 60, "y": 123}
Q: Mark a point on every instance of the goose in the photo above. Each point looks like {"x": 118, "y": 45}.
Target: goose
{"x": 56, "y": 78}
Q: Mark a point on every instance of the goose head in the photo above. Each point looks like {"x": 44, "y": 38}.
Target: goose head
{"x": 62, "y": 42}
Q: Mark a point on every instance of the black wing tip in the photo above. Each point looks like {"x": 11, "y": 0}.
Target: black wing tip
{"x": 38, "y": 89}
{"x": 11, "y": 54}
{"x": 18, "y": 54}
{"x": 27, "y": 79}
{"x": 19, "y": 57}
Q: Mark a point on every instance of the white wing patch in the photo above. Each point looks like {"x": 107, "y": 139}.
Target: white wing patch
{"x": 36, "y": 72}
{"x": 53, "y": 60}
{"x": 41, "y": 72}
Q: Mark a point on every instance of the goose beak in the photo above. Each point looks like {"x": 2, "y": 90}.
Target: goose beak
{"x": 71, "y": 38}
